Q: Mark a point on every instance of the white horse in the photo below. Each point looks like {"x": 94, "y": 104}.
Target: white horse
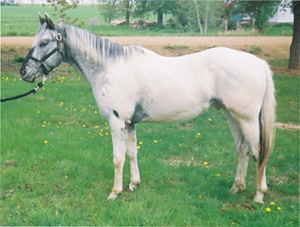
{"x": 132, "y": 84}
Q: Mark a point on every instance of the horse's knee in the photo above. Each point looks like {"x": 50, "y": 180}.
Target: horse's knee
{"x": 132, "y": 155}
{"x": 118, "y": 161}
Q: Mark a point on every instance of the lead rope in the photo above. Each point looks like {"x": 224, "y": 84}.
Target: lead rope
{"x": 33, "y": 91}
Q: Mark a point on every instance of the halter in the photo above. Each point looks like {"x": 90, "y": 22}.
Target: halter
{"x": 59, "y": 39}
{"x": 41, "y": 62}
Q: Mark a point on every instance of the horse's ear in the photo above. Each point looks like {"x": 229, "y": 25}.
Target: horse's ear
{"x": 49, "y": 22}
{"x": 42, "y": 20}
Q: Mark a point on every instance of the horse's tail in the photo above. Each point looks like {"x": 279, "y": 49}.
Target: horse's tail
{"x": 267, "y": 122}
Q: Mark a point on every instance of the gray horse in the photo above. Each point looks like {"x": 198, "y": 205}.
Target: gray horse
{"x": 132, "y": 84}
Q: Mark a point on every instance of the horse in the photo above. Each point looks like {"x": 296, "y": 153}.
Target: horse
{"x": 132, "y": 84}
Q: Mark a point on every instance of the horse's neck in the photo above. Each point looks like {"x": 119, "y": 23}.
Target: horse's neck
{"x": 85, "y": 53}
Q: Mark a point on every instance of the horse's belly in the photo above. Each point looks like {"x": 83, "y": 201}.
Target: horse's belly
{"x": 168, "y": 113}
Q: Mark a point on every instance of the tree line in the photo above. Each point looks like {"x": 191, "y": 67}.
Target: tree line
{"x": 186, "y": 13}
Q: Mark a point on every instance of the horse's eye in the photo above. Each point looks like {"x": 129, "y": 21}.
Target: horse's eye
{"x": 44, "y": 43}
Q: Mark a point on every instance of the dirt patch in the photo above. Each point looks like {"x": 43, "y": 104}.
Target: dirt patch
{"x": 178, "y": 161}
{"x": 289, "y": 126}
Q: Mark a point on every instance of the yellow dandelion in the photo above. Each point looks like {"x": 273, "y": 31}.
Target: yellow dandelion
{"x": 45, "y": 142}
{"x": 209, "y": 119}
{"x": 96, "y": 127}
{"x": 217, "y": 175}
{"x": 138, "y": 147}
{"x": 207, "y": 167}
{"x": 59, "y": 122}
{"x": 233, "y": 223}
{"x": 198, "y": 134}
{"x": 205, "y": 163}
{"x": 83, "y": 126}
{"x": 95, "y": 112}
{"x": 106, "y": 123}
{"x": 38, "y": 112}
{"x": 66, "y": 109}
{"x": 278, "y": 208}
{"x": 272, "y": 203}
{"x": 268, "y": 209}
{"x": 75, "y": 109}
{"x": 140, "y": 142}
{"x": 57, "y": 126}
{"x": 43, "y": 126}
{"x": 107, "y": 128}
{"x": 155, "y": 141}
{"x": 180, "y": 145}
{"x": 106, "y": 133}
{"x": 200, "y": 196}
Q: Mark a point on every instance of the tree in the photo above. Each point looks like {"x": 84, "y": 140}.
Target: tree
{"x": 108, "y": 10}
{"x": 260, "y": 10}
{"x": 158, "y": 7}
{"x": 295, "y": 46}
{"x": 61, "y": 7}
{"x": 127, "y": 8}
{"x": 185, "y": 11}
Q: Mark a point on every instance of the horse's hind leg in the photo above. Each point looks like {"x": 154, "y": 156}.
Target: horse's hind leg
{"x": 243, "y": 148}
{"x": 251, "y": 131}
{"x": 132, "y": 155}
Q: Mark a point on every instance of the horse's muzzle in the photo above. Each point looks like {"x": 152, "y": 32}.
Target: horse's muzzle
{"x": 24, "y": 74}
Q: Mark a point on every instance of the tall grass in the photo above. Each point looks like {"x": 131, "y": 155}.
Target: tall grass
{"x": 56, "y": 164}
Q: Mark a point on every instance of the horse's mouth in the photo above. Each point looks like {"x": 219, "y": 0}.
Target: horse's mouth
{"x": 29, "y": 79}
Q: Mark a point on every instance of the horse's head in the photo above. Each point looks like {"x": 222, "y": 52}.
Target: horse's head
{"x": 46, "y": 52}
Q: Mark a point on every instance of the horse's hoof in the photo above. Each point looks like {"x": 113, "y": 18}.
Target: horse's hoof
{"x": 259, "y": 197}
{"x": 234, "y": 189}
{"x": 238, "y": 187}
{"x": 258, "y": 200}
{"x": 131, "y": 187}
{"x": 113, "y": 196}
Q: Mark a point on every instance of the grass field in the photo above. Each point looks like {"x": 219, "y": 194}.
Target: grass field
{"x": 56, "y": 164}
{"x": 23, "y": 20}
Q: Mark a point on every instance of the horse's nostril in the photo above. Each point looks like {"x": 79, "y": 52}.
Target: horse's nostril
{"x": 23, "y": 71}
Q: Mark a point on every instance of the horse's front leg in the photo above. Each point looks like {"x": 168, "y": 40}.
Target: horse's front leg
{"x": 119, "y": 134}
{"x": 132, "y": 155}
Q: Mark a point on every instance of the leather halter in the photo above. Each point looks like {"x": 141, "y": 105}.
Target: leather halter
{"x": 43, "y": 60}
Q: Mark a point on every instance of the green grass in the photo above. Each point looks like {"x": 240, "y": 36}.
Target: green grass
{"x": 66, "y": 181}
{"x": 23, "y": 20}
{"x": 255, "y": 49}
{"x": 175, "y": 47}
